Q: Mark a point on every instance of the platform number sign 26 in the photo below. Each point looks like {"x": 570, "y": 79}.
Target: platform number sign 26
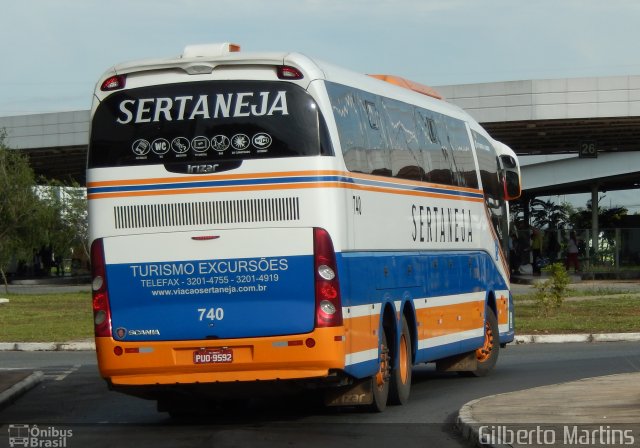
{"x": 588, "y": 150}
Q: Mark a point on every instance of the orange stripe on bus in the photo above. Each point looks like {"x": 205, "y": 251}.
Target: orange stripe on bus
{"x": 502, "y": 304}
{"x": 448, "y": 319}
{"x": 359, "y": 334}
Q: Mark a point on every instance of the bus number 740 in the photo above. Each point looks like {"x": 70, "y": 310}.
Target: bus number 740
{"x": 211, "y": 314}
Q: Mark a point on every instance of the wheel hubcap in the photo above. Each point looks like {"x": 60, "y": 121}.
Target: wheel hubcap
{"x": 484, "y": 352}
{"x": 384, "y": 372}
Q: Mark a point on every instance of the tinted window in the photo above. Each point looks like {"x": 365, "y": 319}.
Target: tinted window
{"x": 493, "y": 193}
{"x": 364, "y": 144}
{"x": 438, "y": 162}
{"x": 459, "y": 145}
{"x": 208, "y": 122}
{"x": 387, "y": 137}
{"x": 406, "y": 156}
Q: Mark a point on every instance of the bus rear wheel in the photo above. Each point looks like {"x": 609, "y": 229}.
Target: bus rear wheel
{"x": 487, "y": 355}
{"x": 380, "y": 381}
{"x": 400, "y": 384}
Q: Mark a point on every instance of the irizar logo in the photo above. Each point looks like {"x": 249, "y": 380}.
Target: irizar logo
{"x": 202, "y": 169}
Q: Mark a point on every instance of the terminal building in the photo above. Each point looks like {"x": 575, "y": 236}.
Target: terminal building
{"x": 577, "y": 135}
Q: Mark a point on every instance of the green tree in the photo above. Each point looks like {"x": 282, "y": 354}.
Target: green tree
{"x": 549, "y": 215}
{"x": 21, "y": 209}
{"x": 608, "y": 217}
{"x": 65, "y": 224}
{"x": 543, "y": 214}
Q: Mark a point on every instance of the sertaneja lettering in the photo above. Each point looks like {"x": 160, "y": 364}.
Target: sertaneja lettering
{"x": 441, "y": 225}
{"x": 214, "y": 106}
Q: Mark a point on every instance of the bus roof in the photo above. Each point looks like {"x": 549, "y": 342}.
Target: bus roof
{"x": 204, "y": 59}
{"x": 411, "y": 85}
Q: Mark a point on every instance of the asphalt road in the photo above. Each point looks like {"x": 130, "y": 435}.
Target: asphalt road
{"x": 73, "y": 397}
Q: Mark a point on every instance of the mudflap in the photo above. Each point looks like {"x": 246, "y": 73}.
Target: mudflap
{"x": 466, "y": 362}
{"x": 360, "y": 393}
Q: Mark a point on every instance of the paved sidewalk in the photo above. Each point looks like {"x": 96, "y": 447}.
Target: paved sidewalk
{"x": 601, "y": 411}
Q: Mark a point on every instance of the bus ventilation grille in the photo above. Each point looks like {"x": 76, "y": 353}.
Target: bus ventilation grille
{"x": 206, "y": 213}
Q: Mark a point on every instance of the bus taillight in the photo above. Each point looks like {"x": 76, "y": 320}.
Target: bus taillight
{"x": 287, "y": 72}
{"x": 101, "y": 312}
{"x": 328, "y": 302}
{"x": 115, "y": 82}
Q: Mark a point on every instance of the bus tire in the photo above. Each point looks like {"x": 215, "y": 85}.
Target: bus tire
{"x": 400, "y": 383}
{"x": 487, "y": 355}
{"x": 380, "y": 381}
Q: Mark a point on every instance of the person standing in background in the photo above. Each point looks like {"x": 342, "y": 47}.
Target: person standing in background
{"x": 536, "y": 250}
{"x": 572, "y": 252}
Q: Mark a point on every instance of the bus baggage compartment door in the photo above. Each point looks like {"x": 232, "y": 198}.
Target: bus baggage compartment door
{"x": 215, "y": 284}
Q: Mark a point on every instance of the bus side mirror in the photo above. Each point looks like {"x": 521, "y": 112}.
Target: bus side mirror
{"x": 511, "y": 179}
{"x": 512, "y": 188}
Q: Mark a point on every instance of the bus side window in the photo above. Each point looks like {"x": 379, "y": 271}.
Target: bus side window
{"x": 444, "y": 169}
{"x": 428, "y": 141}
{"x": 377, "y": 140}
{"x": 462, "y": 155}
{"x": 406, "y": 157}
{"x": 349, "y": 118}
{"x": 493, "y": 192}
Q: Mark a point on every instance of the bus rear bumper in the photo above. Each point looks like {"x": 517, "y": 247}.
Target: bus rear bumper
{"x": 293, "y": 357}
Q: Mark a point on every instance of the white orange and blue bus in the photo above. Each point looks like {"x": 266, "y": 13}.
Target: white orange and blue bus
{"x": 268, "y": 218}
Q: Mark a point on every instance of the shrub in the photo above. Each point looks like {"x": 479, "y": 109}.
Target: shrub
{"x": 550, "y": 293}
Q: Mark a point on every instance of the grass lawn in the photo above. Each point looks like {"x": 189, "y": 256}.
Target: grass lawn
{"x": 67, "y": 317}
{"x": 46, "y": 317}
{"x": 610, "y": 313}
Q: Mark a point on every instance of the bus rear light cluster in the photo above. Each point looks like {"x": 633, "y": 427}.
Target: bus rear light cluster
{"x": 328, "y": 301}
{"x": 289, "y": 73}
{"x": 115, "y": 82}
{"x": 101, "y": 311}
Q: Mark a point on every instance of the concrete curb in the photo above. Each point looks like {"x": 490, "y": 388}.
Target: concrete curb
{"x": 582, "y": 337}
{"x": 470, "y": 428}
{"x": 47, "y": 346}
{"x": 20, "y": 388}
{"x": 586, "y": 401}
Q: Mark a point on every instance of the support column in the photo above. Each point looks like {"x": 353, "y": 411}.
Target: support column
{"x": 594, "y": 217}
{"x": 527, "y": 220}
{"x": 526, "y": 200}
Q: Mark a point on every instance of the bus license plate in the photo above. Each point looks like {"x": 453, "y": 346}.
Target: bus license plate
{"x": 217, "y": 356}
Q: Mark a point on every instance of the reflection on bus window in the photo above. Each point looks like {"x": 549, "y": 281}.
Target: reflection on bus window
{"x": 387, "y": 137}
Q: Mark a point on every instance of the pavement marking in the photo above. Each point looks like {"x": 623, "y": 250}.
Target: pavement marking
{"x": 66, "y": 373}
{"x": 59, "y": 373}
{"x": 50, "y": 373}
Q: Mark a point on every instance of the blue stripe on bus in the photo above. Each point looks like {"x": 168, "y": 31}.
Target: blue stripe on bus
{"x": 363, "y": 369}
{"x": 362, "y": 282}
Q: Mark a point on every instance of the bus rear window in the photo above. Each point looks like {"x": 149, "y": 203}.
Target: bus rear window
{"x": 204, "y": 122}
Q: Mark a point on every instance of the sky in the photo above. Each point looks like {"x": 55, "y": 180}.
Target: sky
{"x": 54, "y": 51}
